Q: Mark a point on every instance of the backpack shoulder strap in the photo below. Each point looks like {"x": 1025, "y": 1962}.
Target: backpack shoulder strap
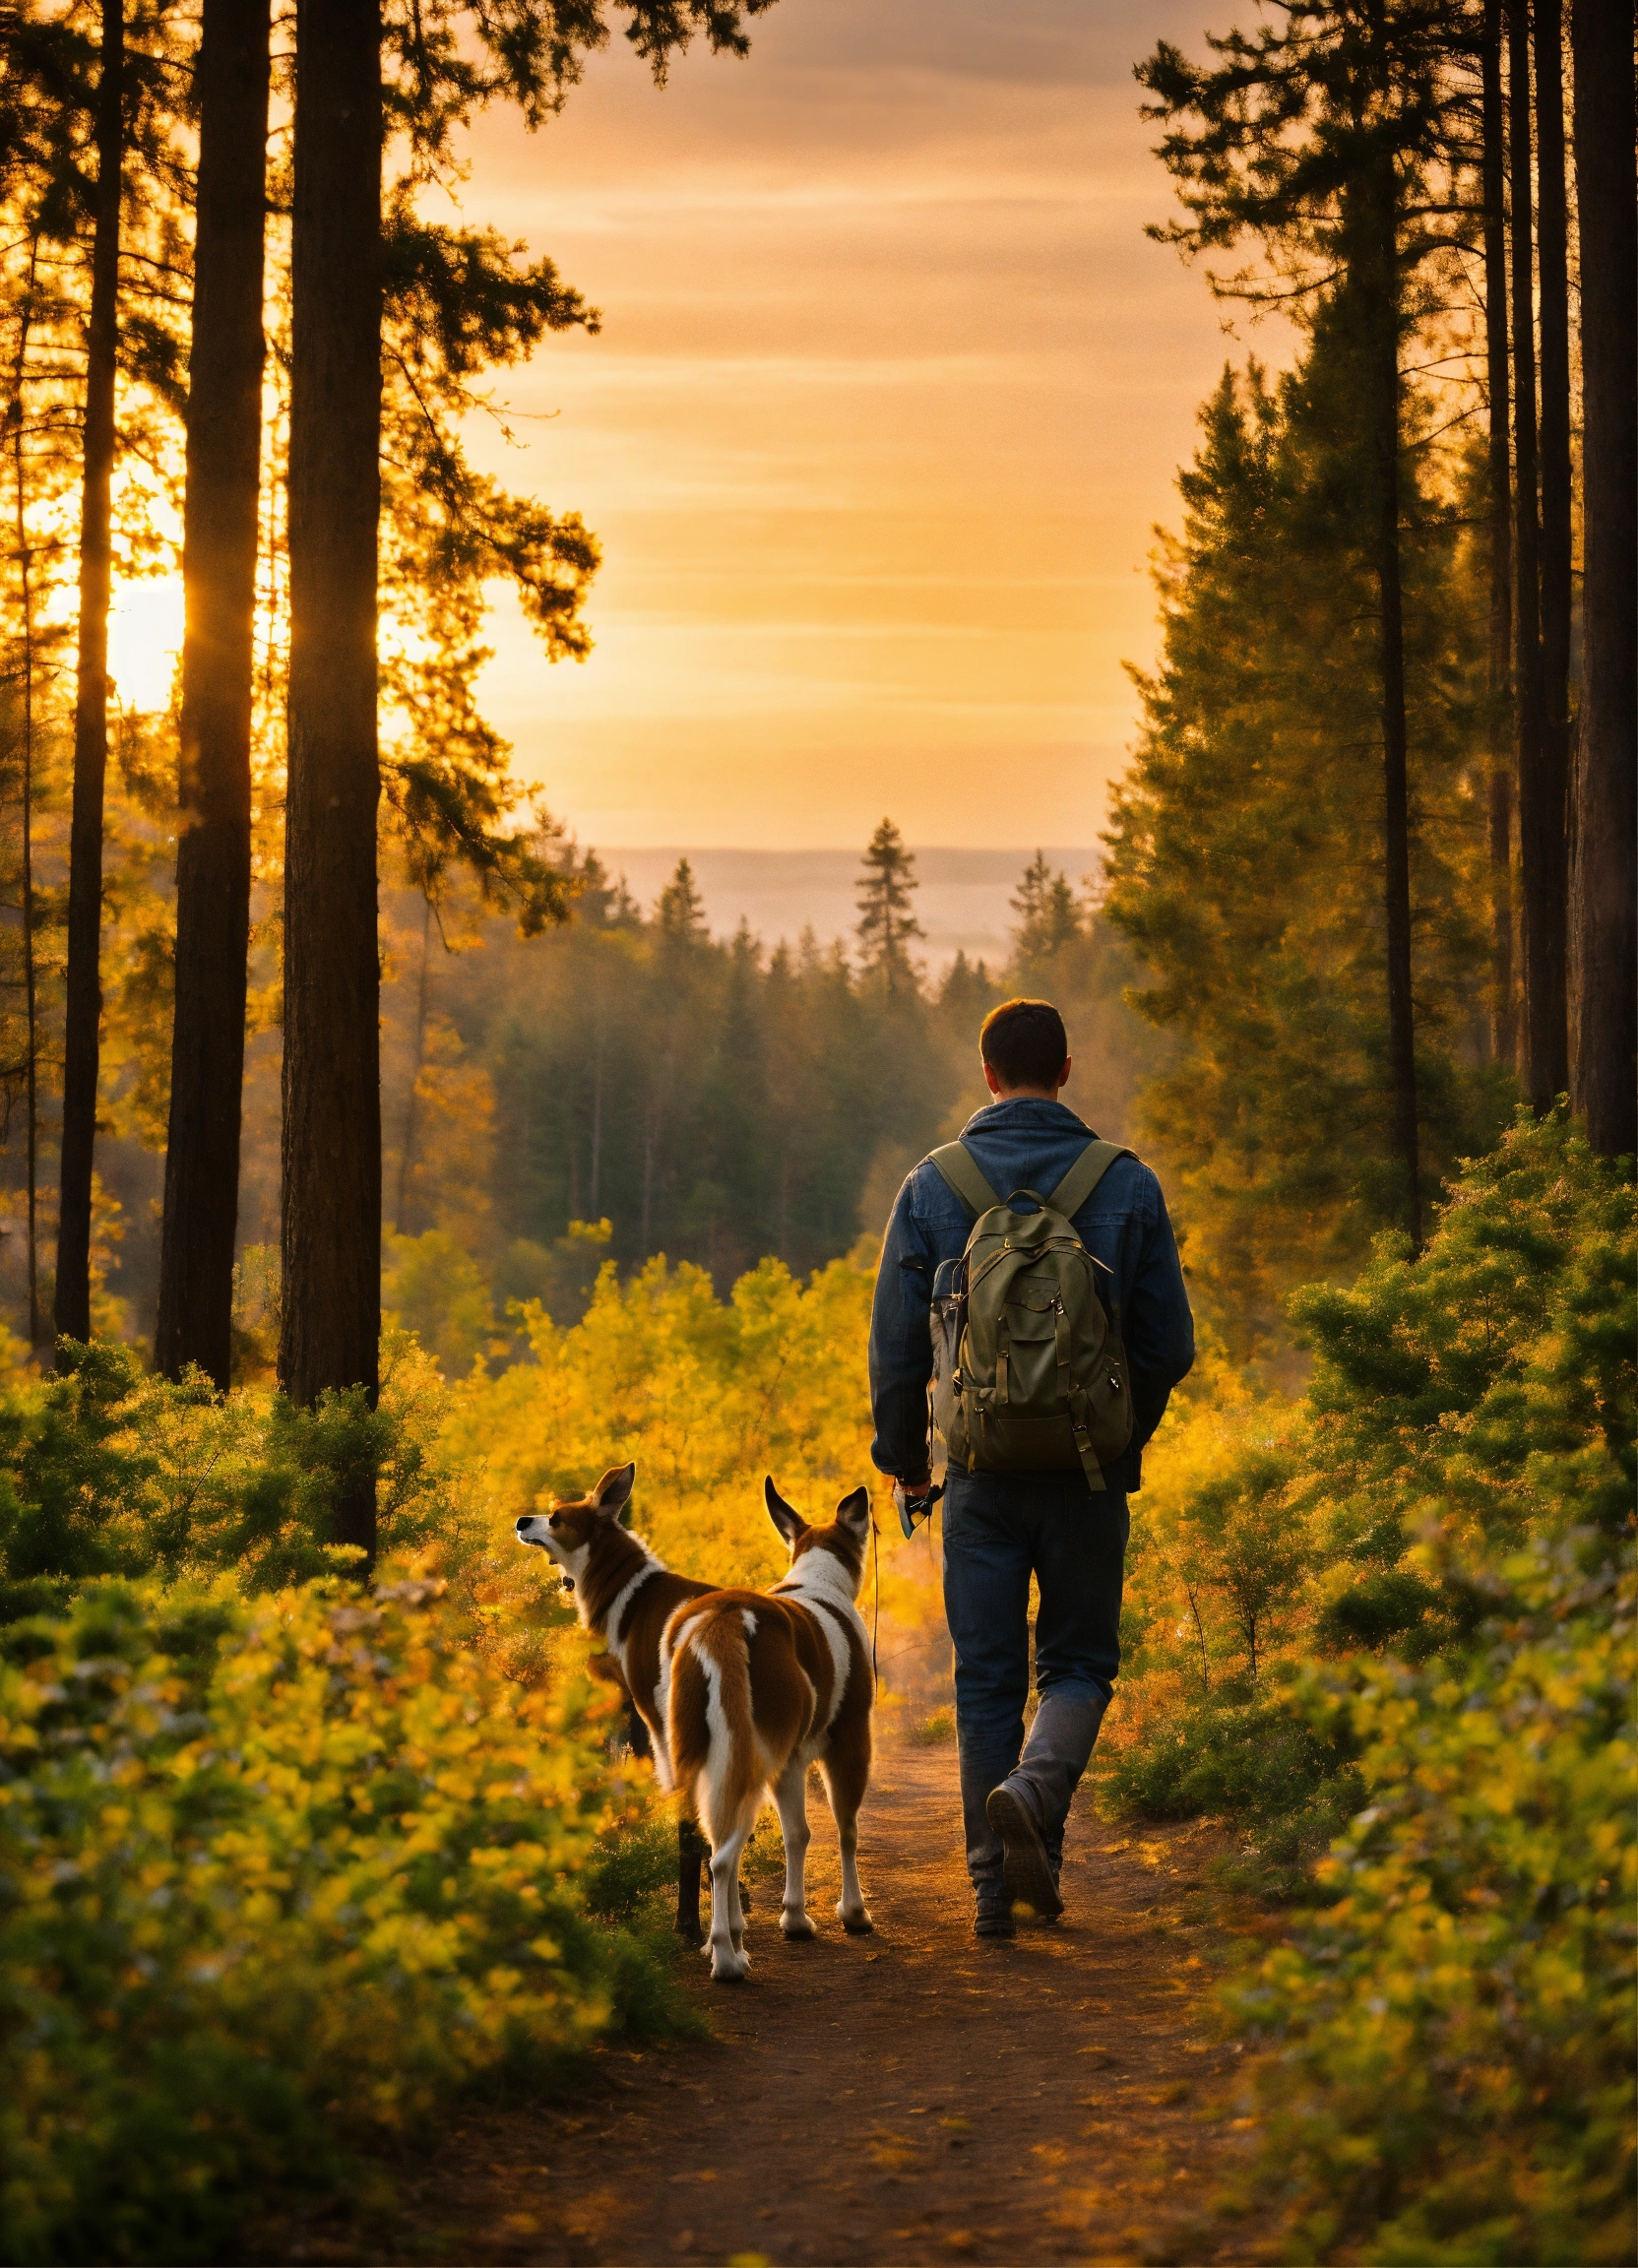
{"x": 1084, "y": 1176}
{"x": 960, "y": 1169}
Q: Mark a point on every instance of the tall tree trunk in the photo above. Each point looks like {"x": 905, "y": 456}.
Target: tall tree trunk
{"x": 91, "y": 703}
{"x": 1607, "y": 820}
{"x": 1536, "y": 816}
{"x": 1396, "y": 808}
{"x": 331, "y": 1241}
{"x": 1550, "y": 1048}
{"x": 1504, "y": 1038}
{"x": 218, "y": 660}
{"x": 30, "y": 974}
{"x": 412, "y": 1108}
{"x": 1378, "y": 272}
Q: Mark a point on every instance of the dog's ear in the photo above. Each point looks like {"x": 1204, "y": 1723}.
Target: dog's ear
{"x": 613, "y": 1493}
{"x": 786, "y": 1518}
{"x": 853, "y": 1512}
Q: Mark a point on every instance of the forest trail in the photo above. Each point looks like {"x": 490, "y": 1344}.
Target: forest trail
{"x": 911, "y": 2095}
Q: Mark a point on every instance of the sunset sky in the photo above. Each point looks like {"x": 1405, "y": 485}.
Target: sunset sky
{"x": 890, "y": 392}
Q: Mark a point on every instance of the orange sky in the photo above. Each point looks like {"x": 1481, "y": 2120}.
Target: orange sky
{"x": 890, "y": 392}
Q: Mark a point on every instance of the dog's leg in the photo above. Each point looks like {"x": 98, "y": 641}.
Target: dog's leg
{"x": 691, "y": 1855}
{"x": 790, "y": 1794}
{"x": 737, "y": 1905}
{"x": 845, "y": 1780}
{"x": 728, "y": 1922}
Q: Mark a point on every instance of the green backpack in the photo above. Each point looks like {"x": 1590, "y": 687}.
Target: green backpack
{"x": 1028, "y": 1372}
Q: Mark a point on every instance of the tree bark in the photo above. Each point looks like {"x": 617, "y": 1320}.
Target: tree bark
{"x": 331, "y": 1241}
{"x": 402, "y": 1210}
{"x": 30, "y": 974}
{"x": 1551, "y": 1050}
{"x": 218, "y": 657}
{"x": 1377, "y": 273}
{"x": 1504, "y": 1038}
{"x": 1534, "y": 799}
{"x": 83, "y": 1006}
{"x": 1396, "y": 813}
{"x": 1606, "y": 806}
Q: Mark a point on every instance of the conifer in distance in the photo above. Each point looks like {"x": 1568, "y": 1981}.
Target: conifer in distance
{"x": 886, "y": 924}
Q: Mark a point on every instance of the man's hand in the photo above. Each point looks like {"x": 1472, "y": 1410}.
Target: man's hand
{"x": 914, "y": 1500}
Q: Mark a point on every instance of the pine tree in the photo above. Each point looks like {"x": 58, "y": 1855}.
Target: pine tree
{"x": 445, "y": 62}
{"x": 1606, "y": 822}
{"x": 886, "y": 925}
{"x": 221, "y": 526}
{"x": 80, "y": 1039}
{"x": 330, "y": 1239}
{"x": 680, "y": 910}
{"x": 1550, "y": 1049}
{"x": 1316, "y": 137}
{"x": 1504, "y": 1036}
{"x": 1047, "y": 915}
{"x": 1541, "y": 780}
{"x": 1028, "y": 902}
{"x": 40, "y": 471}
{"x": 1243, "y": 861}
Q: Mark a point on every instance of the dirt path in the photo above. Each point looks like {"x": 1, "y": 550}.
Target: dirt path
{"x": 912, "y": 2095}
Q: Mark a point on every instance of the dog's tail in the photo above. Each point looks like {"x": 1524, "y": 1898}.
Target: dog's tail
{"x": 710, "y": 1729}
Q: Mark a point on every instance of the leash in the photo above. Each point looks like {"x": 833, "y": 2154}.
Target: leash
{"x": 875, "y": 1603}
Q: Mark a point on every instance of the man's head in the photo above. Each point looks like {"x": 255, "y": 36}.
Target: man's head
{"x": 1024, "y": 1049}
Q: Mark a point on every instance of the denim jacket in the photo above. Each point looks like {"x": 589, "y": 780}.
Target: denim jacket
{"x": 1026, "y": 1143}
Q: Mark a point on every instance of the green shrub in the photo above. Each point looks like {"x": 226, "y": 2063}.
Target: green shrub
{"x": 106, "y": 1470}
{"x": 1428, "y": 1742}
{"x": 1449, "y": 2042}
{"x": 1286, "y": 1784}
{"x": 1463, "y": 1400}
{"x": 277, "y": 1877}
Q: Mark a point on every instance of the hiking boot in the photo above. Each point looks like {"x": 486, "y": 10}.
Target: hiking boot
{"x": 994, "y": 1918}
{"x": 1027, "y": 1867}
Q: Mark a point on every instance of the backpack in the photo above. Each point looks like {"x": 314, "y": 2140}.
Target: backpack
{"x": 1028, "y": 1372}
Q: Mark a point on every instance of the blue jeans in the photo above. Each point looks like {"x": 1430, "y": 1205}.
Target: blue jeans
{"x": 999, "y": 1528}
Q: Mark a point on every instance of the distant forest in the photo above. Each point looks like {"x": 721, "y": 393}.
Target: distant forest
{"x": 624, "y": 1085}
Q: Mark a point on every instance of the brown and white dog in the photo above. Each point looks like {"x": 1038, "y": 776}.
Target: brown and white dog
{"x": 626, "y": 1594}
{"x": 762, "y": 1685}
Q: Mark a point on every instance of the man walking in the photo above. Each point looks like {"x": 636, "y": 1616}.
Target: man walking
{"x": 1000, "y": 1526}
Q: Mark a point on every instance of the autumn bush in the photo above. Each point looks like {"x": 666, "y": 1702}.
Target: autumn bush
{"x": 278, "y": 1875}
{"x": 1448, "y": 2041}
{"x": 1385, "y": 1634}
{"x": 707, "y": 1394}
{"x": 283, "y": 1865}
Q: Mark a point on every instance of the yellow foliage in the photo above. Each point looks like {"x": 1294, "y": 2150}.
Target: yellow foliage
{"x": 275, "y": 1873}
{"x": 707, "y": 1394}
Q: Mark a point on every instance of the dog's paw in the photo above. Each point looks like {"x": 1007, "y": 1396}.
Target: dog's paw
{"x": 797, "y": 1926}
{"x": 857, "y": 1923}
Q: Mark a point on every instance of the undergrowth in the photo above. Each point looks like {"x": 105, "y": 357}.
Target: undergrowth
{"x": 1385, "y": 1634}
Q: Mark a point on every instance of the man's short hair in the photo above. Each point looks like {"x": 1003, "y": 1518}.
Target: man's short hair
{"x": 1024, "y": 1043}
